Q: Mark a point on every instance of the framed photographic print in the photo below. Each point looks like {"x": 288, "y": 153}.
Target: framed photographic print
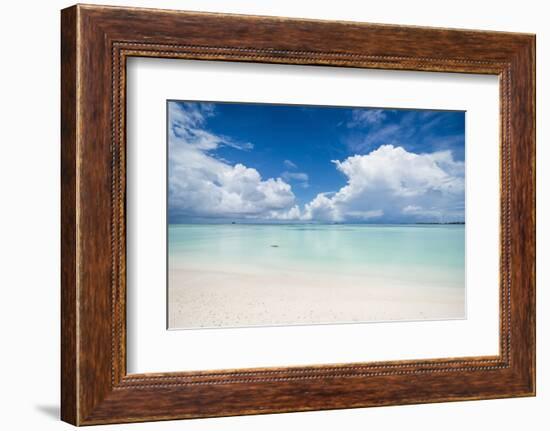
{"x": 268, "y": 215}
{"x": 376, "y": 236}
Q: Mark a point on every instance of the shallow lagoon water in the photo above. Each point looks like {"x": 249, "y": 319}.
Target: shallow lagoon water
{"x": 410, "y": 254}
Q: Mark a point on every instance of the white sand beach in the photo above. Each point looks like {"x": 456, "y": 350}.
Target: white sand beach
{"x": 210, "y": 296}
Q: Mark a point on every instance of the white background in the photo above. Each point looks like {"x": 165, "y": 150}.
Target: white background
{"x": 29, "y": 218}
{"x": 151, "y": 348}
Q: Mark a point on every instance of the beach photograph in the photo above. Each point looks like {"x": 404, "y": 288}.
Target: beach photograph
{"x": 302, "y": 215}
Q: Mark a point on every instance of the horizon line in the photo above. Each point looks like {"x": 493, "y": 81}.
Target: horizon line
{"x": 318, "y": 223}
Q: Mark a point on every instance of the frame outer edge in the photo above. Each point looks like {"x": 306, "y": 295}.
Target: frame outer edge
{"x": 523, "y": 178}
{"x": 69, "y": 201}
{"x": 532, "y": 101}
{"x": 530, "y": 63}
{"x": 533, "y": 53}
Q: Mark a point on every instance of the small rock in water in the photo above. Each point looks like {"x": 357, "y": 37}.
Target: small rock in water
{"x": 274, "y": 245}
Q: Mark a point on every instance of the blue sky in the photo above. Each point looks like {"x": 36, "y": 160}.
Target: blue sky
{"x": 293, "y": 163}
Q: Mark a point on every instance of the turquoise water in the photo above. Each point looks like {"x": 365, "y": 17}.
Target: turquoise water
{"x": 407, "y": 253}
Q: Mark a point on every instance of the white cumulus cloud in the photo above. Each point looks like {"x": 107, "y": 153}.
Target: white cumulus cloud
{"x": 202, "y": 186}
{"x": 395, "y": 184}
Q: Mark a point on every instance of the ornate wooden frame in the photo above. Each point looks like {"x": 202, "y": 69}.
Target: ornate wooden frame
{"x": 96, "y": 41}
